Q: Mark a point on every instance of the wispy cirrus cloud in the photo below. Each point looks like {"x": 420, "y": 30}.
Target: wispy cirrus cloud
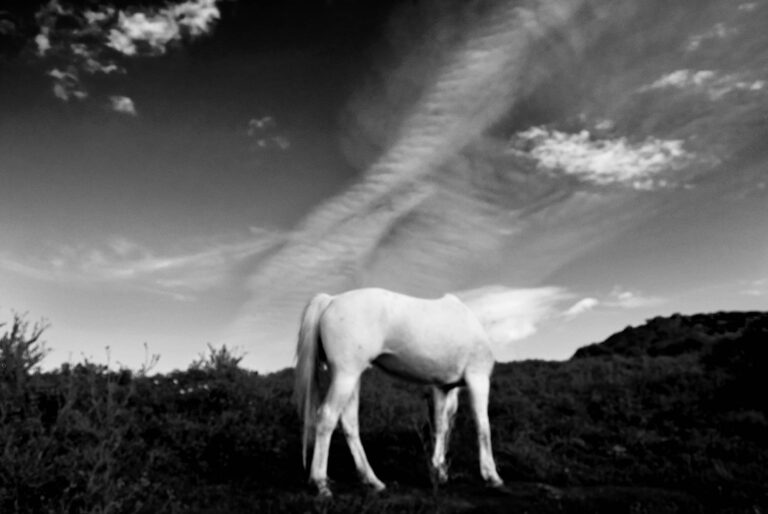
{"x": 618, "y": 298}
{"x": 582, "y": 306}
{"x": 711, "y": 83}
{"x": 124, "y": 263}
{"x": 425, "y": 214}
{"x": 509, "y": 314}
{"x": 334, "y": 243}
{"x": 718, "y": 32}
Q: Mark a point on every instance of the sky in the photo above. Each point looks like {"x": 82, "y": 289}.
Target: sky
{"x": 179, "y": 174}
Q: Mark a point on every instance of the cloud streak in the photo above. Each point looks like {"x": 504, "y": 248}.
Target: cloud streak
{"x": 618, "y": 298}
{"x": 123, "y": 263}
{"x": 334, "y": 245}
{"x": 718, "y": 32}
{"x": 711, "y": 83}
{"x": 510, "y": 315}
{"x": 582, "y": 306}
{"x": 625, "y": 299}
{"x": 445, "y": 203}
{"x": 757, "y": 287}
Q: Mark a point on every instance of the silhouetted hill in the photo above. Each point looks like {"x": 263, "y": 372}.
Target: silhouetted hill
{"x": 677, "y": 334}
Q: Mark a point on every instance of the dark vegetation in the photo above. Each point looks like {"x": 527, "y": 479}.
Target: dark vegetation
{"x": 668, "y": 417}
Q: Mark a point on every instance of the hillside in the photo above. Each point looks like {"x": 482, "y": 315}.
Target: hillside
{"x": 614, "y": 429}
{"x": 676, "y": 335}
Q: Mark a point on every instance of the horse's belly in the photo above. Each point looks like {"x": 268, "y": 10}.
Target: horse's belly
{"x": 421, "y": 369}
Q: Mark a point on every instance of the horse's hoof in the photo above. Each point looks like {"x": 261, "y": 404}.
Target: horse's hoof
{"x": 376, "y": 487}
{"x": 495, "y": 484}
{"x": 323, "y": 491}
{"x": 498, "y": 489}
{"x": 439, "y": 476}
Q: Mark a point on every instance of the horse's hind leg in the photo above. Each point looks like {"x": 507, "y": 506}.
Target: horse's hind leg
{"x": 479, "y": 387}
{"x": 445, "y": 405}
{"x": 339, "y": 393}
{"x": 350, "y": 425}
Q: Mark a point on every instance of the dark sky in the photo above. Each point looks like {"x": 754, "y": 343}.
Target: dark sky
{"x": 192, "y": 172}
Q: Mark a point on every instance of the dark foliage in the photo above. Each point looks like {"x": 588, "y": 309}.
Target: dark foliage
{"x": 676, "y": 335}
{"x": 667, "y": 417}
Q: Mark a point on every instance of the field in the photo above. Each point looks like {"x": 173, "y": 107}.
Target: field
{"x": 667, "y": 417}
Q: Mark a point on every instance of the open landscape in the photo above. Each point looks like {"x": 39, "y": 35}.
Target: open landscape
{"x": 669, "y": 416}
{"x": 186, "y": 186}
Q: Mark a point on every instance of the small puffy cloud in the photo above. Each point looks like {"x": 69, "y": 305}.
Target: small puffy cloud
{"x": 261, "y": 131}
{"x": 282, "y": 142}
{"x": 43, "y": 43}
{"x": 121, "y": 42}
{"x": 159, "y": 28}
{"x": 67, "y": 85}
{"x": 7, "y": 27}
{"x": 757, "y": 287}
{"x": 626, "y": 299}
{"x": 86, "y": 58}
{"x": 603, "y": 161}
{"x": 708, "y": 82}
{"x": 94, "y": 18}
{"x": 155, "y": 30}
{"x": 683, "y": 78}
{"x": 123, "y": 104}
{"x": 717, "y": 32}
{"x": 618, "y": 298}
{"x": 582, "y": 306}
{"x": 197, "y": 16}
{"x": 93, "y": 39}
{"x": 508, "y": 314}
{"x": 256, "y": 125}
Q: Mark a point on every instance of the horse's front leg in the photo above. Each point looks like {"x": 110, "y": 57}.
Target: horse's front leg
{"x": 479, "y": 387}
{"x": 445, "y": 405}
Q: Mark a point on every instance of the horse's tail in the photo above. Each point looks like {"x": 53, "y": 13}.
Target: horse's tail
{"x": 308, "y": 362}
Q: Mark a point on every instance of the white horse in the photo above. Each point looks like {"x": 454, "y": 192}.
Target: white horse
{"x": 437, "y": 342}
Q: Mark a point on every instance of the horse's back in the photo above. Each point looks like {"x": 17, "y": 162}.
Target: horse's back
{"x": 399, "y": 314}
